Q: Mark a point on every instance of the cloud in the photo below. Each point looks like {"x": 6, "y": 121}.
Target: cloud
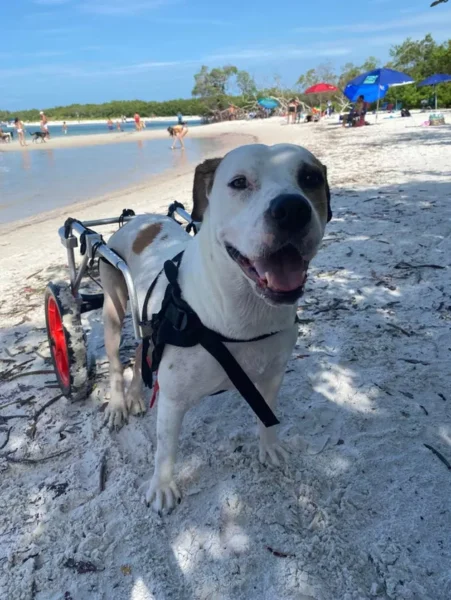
{"x": 55, "y": 30}
{"x": 148, "y": 66}
{"x": 107, "y": 70}
{"x": 399, "y": 37}
{"x": 192, "y": 21}
{"x": 51, "y": 2}
{"x": 121, "y": 7}
{"x": 279, "y": 53}
{"x": 46, "y": 53}
{"x": 424, "y": 20}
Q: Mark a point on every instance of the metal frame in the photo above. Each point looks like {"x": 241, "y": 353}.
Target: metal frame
{"x": 95, "y": 246}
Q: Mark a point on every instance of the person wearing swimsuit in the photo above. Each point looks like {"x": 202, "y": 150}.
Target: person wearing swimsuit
{"x": 178, "y": 132}
{"x": 20, "y": 131}
{"x": 292, "y": 110}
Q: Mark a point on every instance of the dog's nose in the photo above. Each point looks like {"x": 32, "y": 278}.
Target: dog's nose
{"x": 290, "y": 211}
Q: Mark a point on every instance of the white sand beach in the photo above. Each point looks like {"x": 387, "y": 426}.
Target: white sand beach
{"x": 362, "y": 508}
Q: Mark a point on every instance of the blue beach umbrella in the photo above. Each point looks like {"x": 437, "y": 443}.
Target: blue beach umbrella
{"x": 373, "y": 85}
{"x": 268, "y": 103}
{"x": 434, "y": 80}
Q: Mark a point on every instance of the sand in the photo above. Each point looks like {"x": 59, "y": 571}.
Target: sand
{"x": 361, "y": 510}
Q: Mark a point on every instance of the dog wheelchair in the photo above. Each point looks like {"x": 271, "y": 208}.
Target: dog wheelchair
{"x": 65, "y": 303}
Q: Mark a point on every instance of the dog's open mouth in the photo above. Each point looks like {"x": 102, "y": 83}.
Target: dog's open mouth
{"x": 280, "y": 276}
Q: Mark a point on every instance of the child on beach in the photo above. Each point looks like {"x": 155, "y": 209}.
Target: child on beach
{"x": 20, "y": 131}
{"x": 118, "y": 126}
{"x": 178, "y": 132}
{"x": 64, "y": 128}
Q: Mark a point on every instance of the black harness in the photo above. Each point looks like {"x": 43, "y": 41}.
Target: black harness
{"x": 177, "y": 324}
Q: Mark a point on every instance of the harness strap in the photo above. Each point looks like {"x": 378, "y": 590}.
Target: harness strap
{"x": 178, "y": 325}
{"x": 146, "y": 368}
{"x": 238, "y": 377}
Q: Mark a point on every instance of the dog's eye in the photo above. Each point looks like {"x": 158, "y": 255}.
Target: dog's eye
{"x": 310, "y": 178}
{"x": 239, "y": 183}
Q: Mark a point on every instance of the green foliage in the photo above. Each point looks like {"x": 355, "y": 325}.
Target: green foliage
{"x": 214, "y": 87}
{"x": 113, "y": 110}
{"x": 419, "y": 59}
{"x": 246, "y": 84}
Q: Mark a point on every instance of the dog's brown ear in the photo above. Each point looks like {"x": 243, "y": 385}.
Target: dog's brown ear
{"x": 203, "y": 182}
{"x": 329, "y": 209}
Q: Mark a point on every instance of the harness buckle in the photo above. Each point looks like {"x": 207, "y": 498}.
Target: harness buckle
{"x": 178, "y": 317}
{"x": 146, "y": 329}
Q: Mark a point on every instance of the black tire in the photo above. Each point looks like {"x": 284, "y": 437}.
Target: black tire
{"x": 67, "y": 341}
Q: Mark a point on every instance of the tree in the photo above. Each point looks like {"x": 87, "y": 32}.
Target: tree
{"x": 350, "y": 70}
{"x": 419, "y": 59}
{"x": 213, "y": 83}
{"x": 322, "y": 73}
{"x": 246, "y": 84}
{"x": 413, "y": 57}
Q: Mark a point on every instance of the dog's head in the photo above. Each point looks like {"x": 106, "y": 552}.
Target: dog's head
{"x": 267, "y": 207}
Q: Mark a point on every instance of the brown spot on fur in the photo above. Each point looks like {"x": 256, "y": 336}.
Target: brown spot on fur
{"x": 321, "y": 198}
{"x": 146, "y": 236}
{"x": 203, "y": 182}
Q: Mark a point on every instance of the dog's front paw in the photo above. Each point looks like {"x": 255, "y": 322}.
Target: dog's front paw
{"x": 162, "y": 495}
{"x": 116, "y": 414}
{"x": 272, "y": 453}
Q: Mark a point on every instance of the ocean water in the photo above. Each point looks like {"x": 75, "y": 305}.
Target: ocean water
{"x": 34, "y": 182}
{"x": 95, "y": 128}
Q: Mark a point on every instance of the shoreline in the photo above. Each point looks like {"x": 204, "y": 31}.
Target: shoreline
{"x": 114, "y": 137}
{"x": 58, "y": 122}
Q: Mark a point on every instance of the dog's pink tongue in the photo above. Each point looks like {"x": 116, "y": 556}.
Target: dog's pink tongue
{"x": 283, "y": 271}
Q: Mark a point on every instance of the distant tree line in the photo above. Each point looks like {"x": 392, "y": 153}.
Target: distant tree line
{"x": 217, "y": 88}
{"x": 113, "y": 110}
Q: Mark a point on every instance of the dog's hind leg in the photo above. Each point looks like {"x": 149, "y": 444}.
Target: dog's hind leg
{"x": 114, "y": 306}
{"x": 134, "y": 400}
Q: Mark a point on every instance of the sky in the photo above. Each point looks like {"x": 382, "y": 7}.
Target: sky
{"x": 57, "y": 52}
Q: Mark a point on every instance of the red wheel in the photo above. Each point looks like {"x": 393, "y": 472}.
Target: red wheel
{"x": 57, "y": 339}
{"x": 67, "y": 341}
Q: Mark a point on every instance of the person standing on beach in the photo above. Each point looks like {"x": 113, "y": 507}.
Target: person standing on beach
{"x": 137, "y": 119}
{"x": 20, "y": 131}
{"x": 110, "y": 125}
{"x": 178, "y": 132}
{"x": 180, "y": 118}
{"x": 292, "y": 111}
{"x": 64, "y": 128}
{"x": 45, "y": 124}
{"x": 118, "y": 126}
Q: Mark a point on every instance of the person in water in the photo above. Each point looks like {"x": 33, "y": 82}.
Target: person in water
{"x": 20, "y": 131}
{"x": 178, "y": 132}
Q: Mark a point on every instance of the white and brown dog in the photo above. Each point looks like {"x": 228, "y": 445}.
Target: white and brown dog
{"x": 263, "y": 210}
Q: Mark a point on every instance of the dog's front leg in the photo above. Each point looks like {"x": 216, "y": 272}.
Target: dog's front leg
{"x": 270, "y": 451}
{"x": 163, "y": 492}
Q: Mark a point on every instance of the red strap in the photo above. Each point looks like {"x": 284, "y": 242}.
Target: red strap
{"x": 156, "y": 387}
